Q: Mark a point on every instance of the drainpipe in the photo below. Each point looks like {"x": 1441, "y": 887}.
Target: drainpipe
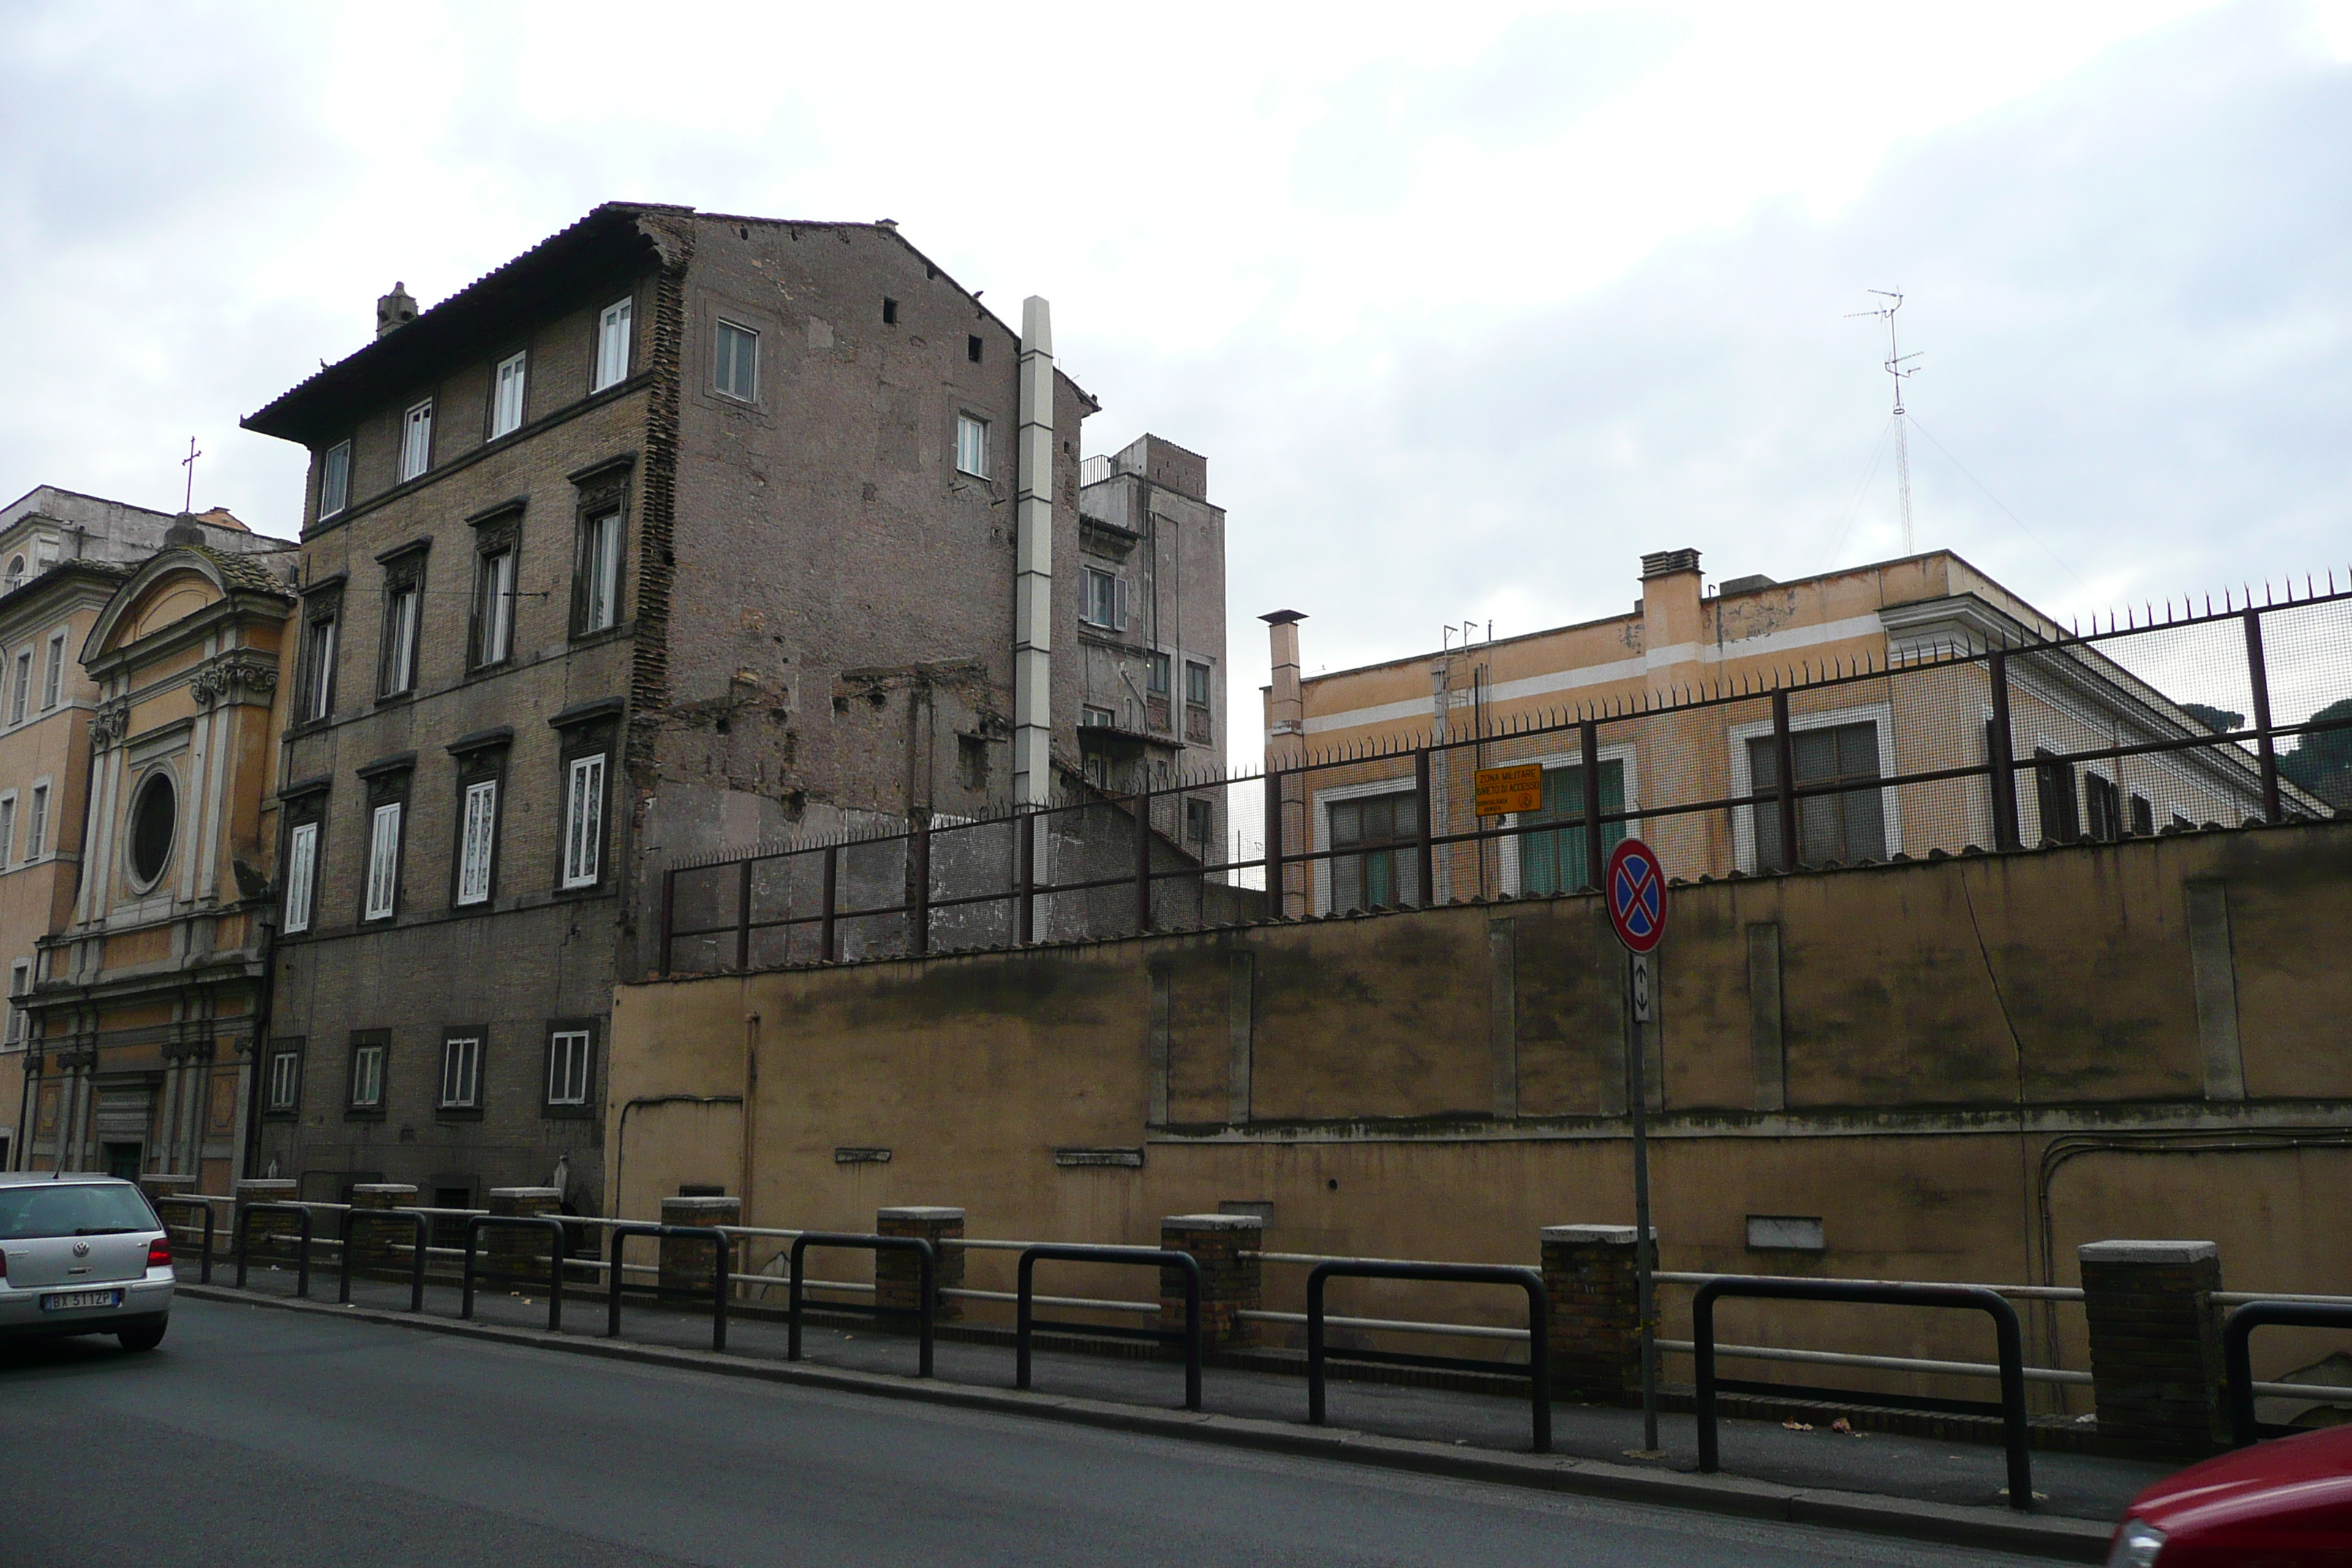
{"x": 1032, "y": 564}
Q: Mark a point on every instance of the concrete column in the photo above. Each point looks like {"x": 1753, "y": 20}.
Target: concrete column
{"x": 519, "y": 1254}
{"x": 373, "y": 1245}
{"x": 2156, "y": 1343}
{"x": 261, "y": 1190}
{"x": 686, "y": 1261}
{"x": 898, "y": 1276}
{"x": 1230, "y": 1283}
{"x": 1033, "y": 563}
{"x": 1596, "y": 1324}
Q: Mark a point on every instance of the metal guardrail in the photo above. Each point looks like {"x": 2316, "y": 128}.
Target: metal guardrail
{"x": 2237, "y": 1353}
{"x": 2005, "y": 1327}
{"x": 927, "y": 1263}
{"x": 205, "y": 1258}
{"x": 1026, "y": 1320}
{"x": 1538, "y": 1365}
{"x": 245, "y": 1239}
{"x": 723, "y": 1256}
{"x": 423, "y": 1226}
{"x": 548, "y": 1223}
{"x": 1879, "y": 1362}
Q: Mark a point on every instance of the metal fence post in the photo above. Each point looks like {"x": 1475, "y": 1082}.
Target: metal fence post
{"x": 743, "y": 914}
{"x": 1024, "y": 877}
{"x": 1143, "y": 799}
{"x": 1784, "y": 753}
{"x": 827, "y": 938}
{"x": 1590, "y": 734}
{"x": 669, "y": 910}
{"x": 919, "y": 891}
{"x": 1423, "y": 860}
{"x": 2001, "y": 760}
{"x": 1277, "y": 902}
{"x": 2258, "y": 675}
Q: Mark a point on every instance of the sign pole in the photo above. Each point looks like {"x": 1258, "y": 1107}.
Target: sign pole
{"x": 1645, "y": 1260}
{"x": 1633, "y": 889}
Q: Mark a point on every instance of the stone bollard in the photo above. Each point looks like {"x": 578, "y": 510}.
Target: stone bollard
{"x": 1596, "y": 1321}
{"x": 686, "y": 1261}
{"x": 518, "y": 1255}
{"x": 2156, "y": 1345}
{"x": 1230, "y": 1283}
{"x": 274, "y": 1235}
{"x": 898, "y": 1275}
{"x": 372, "y": 1244}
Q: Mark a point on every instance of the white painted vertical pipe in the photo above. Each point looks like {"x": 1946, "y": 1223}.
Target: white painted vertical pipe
{"x": 1032, "y": 606}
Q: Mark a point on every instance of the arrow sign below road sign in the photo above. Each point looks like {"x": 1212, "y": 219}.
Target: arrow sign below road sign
{"x": 1636, "y": 886}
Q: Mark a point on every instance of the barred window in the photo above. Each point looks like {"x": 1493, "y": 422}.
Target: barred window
{"x": 1384, "y": 832}
{"x": 1844, "y": 827}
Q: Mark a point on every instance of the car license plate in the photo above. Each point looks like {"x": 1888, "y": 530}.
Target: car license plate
{"x": 76, "y": 1300}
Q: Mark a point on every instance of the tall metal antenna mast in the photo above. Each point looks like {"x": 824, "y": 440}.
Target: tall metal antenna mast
{"x": 1895, "y": 361}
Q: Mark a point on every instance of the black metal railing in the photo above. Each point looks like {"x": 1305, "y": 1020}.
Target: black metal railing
{"x": 548, "y": 1224}
{"x": 722, "y": 1258}
{"x": 2237, "y": 1353}
{"x": 421, "y": 1228}
{"x": 1537, "y": 1368}
{"x": 1970, "y": 1297}
{"x": 927, "y": 1265}
{"x": 1027, "y": 1322}
{"x": 245, "y": 1239}
{"x": 205, "y": 1258}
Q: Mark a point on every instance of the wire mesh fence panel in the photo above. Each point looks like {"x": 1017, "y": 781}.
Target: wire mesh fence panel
{"x": 872, "y": 876}
{"x": 1361, "y": 834}
{"x": 973, "y": 860}
{"x": 2307, "y": 652}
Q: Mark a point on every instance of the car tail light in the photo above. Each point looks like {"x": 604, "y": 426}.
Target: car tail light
{"x": 159, "y": 1253}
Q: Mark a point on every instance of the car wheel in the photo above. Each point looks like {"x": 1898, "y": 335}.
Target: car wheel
{"x": 144, "y": 1338}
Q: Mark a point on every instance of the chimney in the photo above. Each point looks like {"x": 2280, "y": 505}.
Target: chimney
{"x": 1671, "y": 619}
{"x": 394, "y": 311}
{"x": 1286, "y": 736}
{"x": 1032, "y": 563}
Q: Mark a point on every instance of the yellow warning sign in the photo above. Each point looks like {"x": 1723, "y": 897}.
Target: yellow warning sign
{"x": 1502, "y": 791}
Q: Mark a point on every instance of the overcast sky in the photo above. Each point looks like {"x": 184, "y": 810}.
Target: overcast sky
{"x": 1468, "y": 306}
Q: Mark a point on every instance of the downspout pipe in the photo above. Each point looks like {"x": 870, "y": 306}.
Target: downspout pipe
{"x": 1032, "y": 564}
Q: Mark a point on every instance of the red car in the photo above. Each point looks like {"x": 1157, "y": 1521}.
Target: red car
{"x": 2283, "y": 1504}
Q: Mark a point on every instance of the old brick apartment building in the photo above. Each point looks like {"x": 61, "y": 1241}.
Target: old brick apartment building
{"x": 679, "y": 531}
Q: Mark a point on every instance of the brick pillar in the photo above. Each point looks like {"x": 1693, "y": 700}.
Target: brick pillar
{"x": 521, "y": 1255}
{"x": 686, "y": 1261}
{"x": 163, "y": 1187}
{"x": 1229, "y": 1282}
{"x": 178, "y": 1215}
{"x": 898, "y": 1276}
{"x": 1596, "y": 1324}
{"x": 268, "y": 1228}
{"x": 372, "y": 1244}
{"x": 2156, "y": 1346}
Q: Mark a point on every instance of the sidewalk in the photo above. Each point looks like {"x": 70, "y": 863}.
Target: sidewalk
{"x": 2069, "y": 1486}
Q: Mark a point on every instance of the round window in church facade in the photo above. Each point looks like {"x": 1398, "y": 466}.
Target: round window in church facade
{"x": 154, "y": 817}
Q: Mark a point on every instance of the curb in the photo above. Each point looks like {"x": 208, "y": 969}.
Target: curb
{"x": 2066, "y": 1539}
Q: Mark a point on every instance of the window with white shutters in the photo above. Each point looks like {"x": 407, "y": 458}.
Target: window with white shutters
{"x": 383, "y": 862}
{"x": 612, "y": 345}
{"x": 583, "y": 822}
{"x": 477, "y": 840}
{"x": 567, "y": 1066}
{"x": 416, "y": 441}
{"x": 301, "y": 869}
{"x": 506, "y": 397}
{"x": 461, "y": 1071}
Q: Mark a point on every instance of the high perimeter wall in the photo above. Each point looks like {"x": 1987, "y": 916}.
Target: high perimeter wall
{"x": 1960, "y": 1069}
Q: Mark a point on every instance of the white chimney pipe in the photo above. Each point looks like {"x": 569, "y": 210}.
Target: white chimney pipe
{"x": 1032, "y": 564}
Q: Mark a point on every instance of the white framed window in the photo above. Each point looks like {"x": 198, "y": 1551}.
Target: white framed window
{"x": 612, "y": 345}
{"x": 53, "y": 671}
{"x": 22, "y": 692}
{"x": 583, "y": 822}
{"x": 735, "y": 353}
{"x": 319, "y": 668}
{"x": 20, "y": 980}
{"x": 461, "y": 1071}
{"x": 7, "y": 828}
{"x": 495, "y": 613}
{"x": 600, "y": 571}
{"x": 416, "y": 441}
{"x": 971, "y": 446}
{"x": 568, "y": 1052}
{"x": 383, "y": 862}
{"x": 1858, "y": 822}
{"x": 335, "y": 480}
{"x": 476, "y": 840}
{"x": 400, "y": 606}
{"x": 367, "y": 1076}
{"x": 1102, "y": 599}
{"x": 302, "y": 871}
{"x": 284, "y": 1080}
{"x": 506, "y": 396}
{"x": 37, "y": 822}
{"x": 15, "y": 579}
{"x": 1093, "y": 717}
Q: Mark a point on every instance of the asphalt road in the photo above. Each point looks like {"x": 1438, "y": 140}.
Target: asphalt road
{"x": 260, "y": 1438}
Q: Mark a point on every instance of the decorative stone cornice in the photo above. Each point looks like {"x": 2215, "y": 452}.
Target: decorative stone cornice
{"x": 240, "y": 674}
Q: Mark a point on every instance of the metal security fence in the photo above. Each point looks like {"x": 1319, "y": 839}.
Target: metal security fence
{"x": 2193, "y": 717}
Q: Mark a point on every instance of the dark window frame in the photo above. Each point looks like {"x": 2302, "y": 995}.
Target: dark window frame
{"x": 284, "y": 1048}
{"x": 1389, "y": 857}
{"x": 327, "y": 473}
{"x": 355, "y": 1109}
{"x": 499, "y": 533}
{"x": 443, "y": 1110}
{"x": 403, "y": 573}
{"x": 390, "y": 785}
{"x": 320, "y": 663}
{"x": 1850, "y": 822}
{"x": 2055, "y": 795}
{"x": 2102, "y": 808}
{"x": 728, "y": 373}
{"x": 548, "y": 1106}
{"x": 594, "y": 734}
{"x": 605, "y": 496}
{"x": 490, "y": 431}
{"x": 484, "y": 764}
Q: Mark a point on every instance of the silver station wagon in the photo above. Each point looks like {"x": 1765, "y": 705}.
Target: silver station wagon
{"x": 82, "y": 1255}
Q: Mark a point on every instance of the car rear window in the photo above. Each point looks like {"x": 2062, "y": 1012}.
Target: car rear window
{"x": 79, "y": 1208}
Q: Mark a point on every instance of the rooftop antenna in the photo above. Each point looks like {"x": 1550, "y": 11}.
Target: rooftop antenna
{"x": 189, "y": 463}
{"x": 1895, "y": 361}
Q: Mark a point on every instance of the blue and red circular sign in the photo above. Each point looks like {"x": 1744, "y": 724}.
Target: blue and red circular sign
{"x": 1636, "y": 887}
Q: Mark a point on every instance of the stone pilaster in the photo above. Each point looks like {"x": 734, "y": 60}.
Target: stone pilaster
{"x": 1596, "y": 1321}
{"x": 2156, "y": 1347}
{"x": 1230, "y": 1283}
{"x": 686, "y": 1261}
{"x": 898, "y": 1276}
